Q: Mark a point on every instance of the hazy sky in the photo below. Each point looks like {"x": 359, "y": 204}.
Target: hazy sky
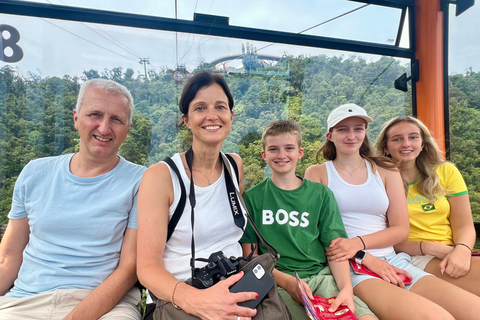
{"x": 53, "y": 47}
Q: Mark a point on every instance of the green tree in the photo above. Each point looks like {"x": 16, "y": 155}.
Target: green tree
{"x": 137, "y": 146}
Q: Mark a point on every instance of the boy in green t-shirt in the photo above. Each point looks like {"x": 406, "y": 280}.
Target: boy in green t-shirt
{"x": 299, "y": 218}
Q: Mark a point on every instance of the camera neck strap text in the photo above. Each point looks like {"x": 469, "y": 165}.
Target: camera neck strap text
{"x": 269, "y": 247}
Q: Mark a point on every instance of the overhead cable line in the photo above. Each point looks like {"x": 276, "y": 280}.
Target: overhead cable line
{"x": 317, "y": 25}
{"x": 188, "y": 49}
{"x": 76, "y": 35}
{"x": 322, "y": 23}
{"x": 334, "y": 18}
{"x": 176, "y": 38}
{"x": 118, "y": 44}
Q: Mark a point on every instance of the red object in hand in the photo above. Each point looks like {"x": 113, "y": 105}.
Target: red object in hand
{"x": 361, "y": 269}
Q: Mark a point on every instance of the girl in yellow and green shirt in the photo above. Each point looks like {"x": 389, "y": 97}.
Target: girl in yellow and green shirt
{"x": 442, "y": 234}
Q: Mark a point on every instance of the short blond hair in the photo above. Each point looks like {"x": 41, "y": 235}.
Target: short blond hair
{"x": 278, "y": 127}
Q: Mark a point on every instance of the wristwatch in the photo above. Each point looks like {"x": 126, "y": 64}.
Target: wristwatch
{"x": 359, "y": 256}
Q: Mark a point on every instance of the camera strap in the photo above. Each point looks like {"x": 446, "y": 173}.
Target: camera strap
{"x": 232, "y": 199}
{"x": 177, "y": 214}
{"x": 191, "y": 198}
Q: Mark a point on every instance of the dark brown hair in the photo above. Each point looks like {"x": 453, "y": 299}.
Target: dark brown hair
{"x": 199, "y": 81}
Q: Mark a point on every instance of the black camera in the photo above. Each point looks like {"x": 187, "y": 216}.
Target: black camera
{"x": 219, "y": 267}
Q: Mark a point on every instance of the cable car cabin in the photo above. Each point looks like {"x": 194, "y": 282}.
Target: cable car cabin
{"x": 178, "y": 78}
{"x": 316, "y": 71}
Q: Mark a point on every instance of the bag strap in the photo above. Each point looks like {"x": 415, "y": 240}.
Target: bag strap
{"x": 234, "y": 165}
{"x": 269, "y": 247}
{"x": 172, "y": 224}
{"x": 237, "y": 213}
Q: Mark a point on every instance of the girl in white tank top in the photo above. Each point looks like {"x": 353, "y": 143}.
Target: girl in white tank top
{"x": 371, "y": 198}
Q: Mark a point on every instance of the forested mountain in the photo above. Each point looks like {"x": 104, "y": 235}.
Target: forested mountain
{"x": 36, "y": 118}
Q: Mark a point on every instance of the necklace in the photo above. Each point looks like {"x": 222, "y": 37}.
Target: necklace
{"x": 349, "y": 172}
{"x": 208, "y": 179}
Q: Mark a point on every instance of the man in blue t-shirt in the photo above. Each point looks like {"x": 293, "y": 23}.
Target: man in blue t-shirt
{"x": 69, "y": 250}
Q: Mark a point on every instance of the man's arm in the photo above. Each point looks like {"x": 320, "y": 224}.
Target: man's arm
{"x": 111, "y": 291}
{"x": 11, "y": 252}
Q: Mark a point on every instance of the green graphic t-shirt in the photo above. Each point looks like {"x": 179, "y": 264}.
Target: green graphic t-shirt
{"x": 298, "y": 223}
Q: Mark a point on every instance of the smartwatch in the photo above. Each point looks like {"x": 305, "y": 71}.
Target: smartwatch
{"x": 359, "y": 256}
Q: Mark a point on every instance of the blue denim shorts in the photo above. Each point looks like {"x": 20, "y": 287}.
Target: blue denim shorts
{"x": 400, "y": 260}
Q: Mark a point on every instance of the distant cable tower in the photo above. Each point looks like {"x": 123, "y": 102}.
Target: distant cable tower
{"x": 144, "y": 61}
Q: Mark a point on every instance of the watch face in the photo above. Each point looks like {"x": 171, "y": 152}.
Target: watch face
{"x": 360, "y": 255}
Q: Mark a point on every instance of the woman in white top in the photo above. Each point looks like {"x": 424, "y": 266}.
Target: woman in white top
{"x": 370, "y": 196}
{"x": 207, "y": 110}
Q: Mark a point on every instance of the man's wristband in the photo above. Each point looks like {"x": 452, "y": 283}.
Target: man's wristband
{"x": 421, "y": 250}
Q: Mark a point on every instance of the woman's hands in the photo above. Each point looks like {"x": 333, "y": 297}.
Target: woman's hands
{"x": 216, "y": 302}
{"x": 385, "y": 270}
{"x": 342, "y": 249}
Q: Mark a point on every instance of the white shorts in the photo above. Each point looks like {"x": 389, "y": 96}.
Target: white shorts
{"x": 400, "y": 260}
{"x": 421, "y": 261}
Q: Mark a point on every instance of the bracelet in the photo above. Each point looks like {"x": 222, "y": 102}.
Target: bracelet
{"x": 421, "y": 251}
{"x": 364, "y": 246}
{"x": 463, "y": 244}
{"x": 173, "y": 291}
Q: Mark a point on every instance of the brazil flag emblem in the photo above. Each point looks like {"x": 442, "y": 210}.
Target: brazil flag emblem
{"x": 428, "y": 207}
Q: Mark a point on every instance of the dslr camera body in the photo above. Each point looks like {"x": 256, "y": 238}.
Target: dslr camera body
{"x": 219, "y": 267}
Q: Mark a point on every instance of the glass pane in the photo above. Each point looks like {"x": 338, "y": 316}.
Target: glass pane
{"x": 268, "y": 81}
{"x": 464, "y": 69}
{"x": 329, "y": 18}
{"x": 341, "y": 19}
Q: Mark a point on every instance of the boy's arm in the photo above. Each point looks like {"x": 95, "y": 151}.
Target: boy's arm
{"x": 341, "y": 274}
{"x": 289, "y": 284}
{"x": 106, "y": 296}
